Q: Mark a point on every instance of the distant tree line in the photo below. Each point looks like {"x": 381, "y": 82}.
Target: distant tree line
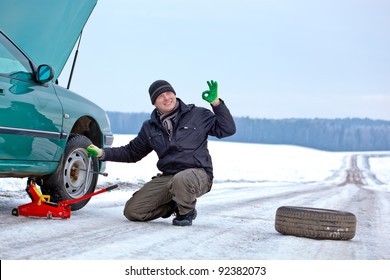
{"x": 349, "y": 134}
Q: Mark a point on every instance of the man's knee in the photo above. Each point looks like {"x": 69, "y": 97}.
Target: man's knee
{"x": 195, "y": 181}
{"x": 135, "y": 217}
{"x": 132, "y": 213}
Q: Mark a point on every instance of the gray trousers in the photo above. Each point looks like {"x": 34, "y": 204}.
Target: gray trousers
{"x": 152, "y": 201}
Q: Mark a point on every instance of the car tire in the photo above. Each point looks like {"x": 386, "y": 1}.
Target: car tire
{"x": 315, "y": 223}
{"x": 70, "y": 180}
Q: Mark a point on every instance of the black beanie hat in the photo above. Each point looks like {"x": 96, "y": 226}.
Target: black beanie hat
{"x": 158, "y": 87}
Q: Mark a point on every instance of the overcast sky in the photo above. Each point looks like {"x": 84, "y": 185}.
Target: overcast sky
{"x": 271, "y": 58}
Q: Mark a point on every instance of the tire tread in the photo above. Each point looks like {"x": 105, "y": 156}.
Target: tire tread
{"x": 315, "y": 223}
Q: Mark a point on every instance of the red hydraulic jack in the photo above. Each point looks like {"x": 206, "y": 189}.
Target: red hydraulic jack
{"x": 42, "y": 207}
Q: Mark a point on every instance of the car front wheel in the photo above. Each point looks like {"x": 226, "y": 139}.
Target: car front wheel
{"x": 76, "y": 175}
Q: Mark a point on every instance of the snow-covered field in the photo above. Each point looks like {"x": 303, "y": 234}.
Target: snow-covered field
{"x": 235, "y": 220}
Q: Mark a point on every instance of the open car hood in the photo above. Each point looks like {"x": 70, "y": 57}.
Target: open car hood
{"x": 46, "y": 30}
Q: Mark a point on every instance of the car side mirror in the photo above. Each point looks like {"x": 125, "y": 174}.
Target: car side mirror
{"x": 44, "y": 73}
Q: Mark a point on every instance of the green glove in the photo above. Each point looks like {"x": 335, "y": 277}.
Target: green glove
{"x": 93, "y": 151}
{"x": 211, "y": 94}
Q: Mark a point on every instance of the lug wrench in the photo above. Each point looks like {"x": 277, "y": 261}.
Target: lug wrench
{"x": 91, "y": 171}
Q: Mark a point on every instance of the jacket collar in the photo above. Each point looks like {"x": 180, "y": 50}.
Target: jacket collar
{"x": 184, "y": 108}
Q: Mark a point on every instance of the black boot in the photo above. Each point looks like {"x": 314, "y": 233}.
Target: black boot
{"x": 185, "y": 220}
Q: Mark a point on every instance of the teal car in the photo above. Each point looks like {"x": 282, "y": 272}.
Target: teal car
{"x": 45, "y": 128}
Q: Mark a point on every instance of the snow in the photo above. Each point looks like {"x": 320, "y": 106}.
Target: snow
{"x": 235, "y": 220}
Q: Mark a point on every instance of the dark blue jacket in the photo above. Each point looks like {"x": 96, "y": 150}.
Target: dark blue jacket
{"x": 188, "y": 146}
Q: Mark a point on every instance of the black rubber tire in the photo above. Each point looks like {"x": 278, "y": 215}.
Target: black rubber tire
{"x": 68, "y": 182}
{"x": 315, "y": 223}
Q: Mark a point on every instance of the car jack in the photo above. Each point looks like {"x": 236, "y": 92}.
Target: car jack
{"x": 42, "y": 207}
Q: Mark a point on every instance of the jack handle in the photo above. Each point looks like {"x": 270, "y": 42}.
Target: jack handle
{"x": 71, "y": 201}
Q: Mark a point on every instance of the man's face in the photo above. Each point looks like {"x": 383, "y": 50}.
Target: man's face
{"x": 165, "y": 102}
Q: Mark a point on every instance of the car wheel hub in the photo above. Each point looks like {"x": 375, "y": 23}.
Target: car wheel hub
{"x": 76, "y": 177}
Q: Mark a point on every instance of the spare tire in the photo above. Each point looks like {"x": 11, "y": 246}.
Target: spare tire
{"x": 315, "y": 223}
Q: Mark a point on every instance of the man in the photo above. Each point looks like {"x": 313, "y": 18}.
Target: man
{"x": 178, "y": 133}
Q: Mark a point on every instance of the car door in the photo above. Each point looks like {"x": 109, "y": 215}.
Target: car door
{"x": 30, "y": 113}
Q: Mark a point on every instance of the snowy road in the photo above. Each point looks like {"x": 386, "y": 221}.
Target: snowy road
{"x": 235, "y": 221}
